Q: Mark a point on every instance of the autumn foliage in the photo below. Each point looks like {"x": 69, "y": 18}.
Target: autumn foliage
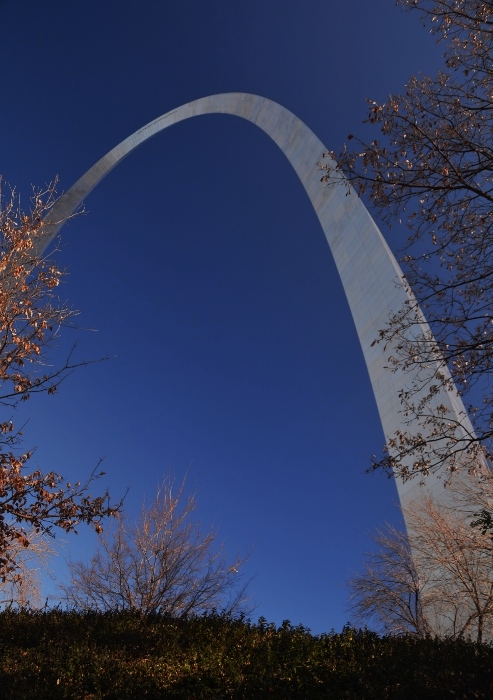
{"x": 31, "y": 317}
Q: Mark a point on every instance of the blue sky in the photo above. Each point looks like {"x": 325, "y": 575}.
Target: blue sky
{"x": 204, "y": 270}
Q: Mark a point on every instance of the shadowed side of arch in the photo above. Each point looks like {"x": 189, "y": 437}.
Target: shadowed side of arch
{"x": 371, "y": 276}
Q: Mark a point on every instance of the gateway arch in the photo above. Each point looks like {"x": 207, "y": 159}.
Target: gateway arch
{"x": 371, "y": 276}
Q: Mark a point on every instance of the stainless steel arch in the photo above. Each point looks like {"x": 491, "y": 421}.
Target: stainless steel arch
{"x": 371, "y": 276}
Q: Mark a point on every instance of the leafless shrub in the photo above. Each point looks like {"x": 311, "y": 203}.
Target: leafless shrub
{"x": 160, "y": 563}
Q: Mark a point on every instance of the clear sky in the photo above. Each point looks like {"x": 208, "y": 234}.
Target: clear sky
{"x": 203, "y": 268}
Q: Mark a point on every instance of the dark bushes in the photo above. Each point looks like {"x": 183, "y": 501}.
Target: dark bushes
{"x": 65, "y": 654}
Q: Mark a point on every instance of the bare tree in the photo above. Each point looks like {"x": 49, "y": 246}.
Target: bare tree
{"x": 389, "y": 592}
{"x": 432, "y": 168}
{"x": 444, "y": 586}
{"x": 475, "y": 496}
{"x": 459, "y": 560}
{"x": 161, "y": 563}
{"x": 31, "y": 316}
{"x": 22, "y": 585}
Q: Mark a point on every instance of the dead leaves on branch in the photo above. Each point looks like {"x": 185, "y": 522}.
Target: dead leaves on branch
{"x": 432, "y": 168}
{"x": 30, "y": 312}
{"x": 31, "y": 315}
